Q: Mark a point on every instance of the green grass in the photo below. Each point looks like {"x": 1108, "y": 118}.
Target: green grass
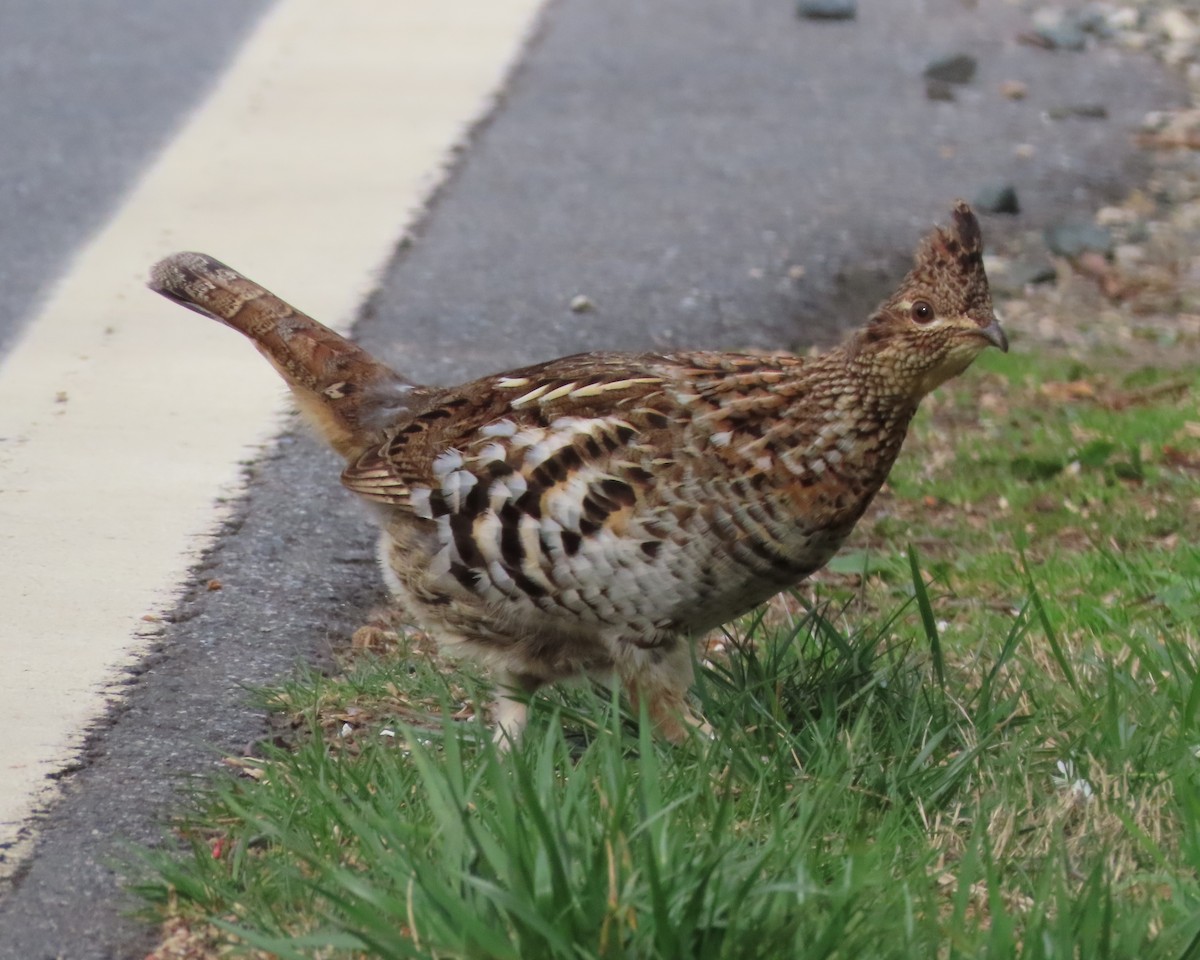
{"x": 976, "y": 736}
{"x": 1101, "y": 495}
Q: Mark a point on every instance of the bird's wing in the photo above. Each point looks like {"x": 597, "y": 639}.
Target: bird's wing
{"x": 530, "y": 429}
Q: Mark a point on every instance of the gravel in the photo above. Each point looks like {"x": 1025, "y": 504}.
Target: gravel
{"x": 1152, "y": 232}
{"x": 1130, "y": 276}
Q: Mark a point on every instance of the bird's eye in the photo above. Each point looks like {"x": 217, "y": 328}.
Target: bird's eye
{"x": 922, "y": 312}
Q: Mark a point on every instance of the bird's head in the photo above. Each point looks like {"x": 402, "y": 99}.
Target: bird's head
{"x": 939, "y": 319}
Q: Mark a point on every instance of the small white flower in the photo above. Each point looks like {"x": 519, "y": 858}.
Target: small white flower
{"x": 1067, "y": 780}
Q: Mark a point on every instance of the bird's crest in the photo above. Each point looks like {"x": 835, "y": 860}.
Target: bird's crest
{"x": 949, "y": 262}
{"x": 959, "y": 247}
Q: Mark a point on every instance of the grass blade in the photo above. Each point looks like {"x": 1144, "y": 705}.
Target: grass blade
{"x": 928, "y": 621}
{"x": 1056, "y": 648}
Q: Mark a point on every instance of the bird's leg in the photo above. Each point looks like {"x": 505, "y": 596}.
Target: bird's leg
{"x": 660, "y": 678}
{"x": 675, "y": 721}
{"x": 510, "y": 710}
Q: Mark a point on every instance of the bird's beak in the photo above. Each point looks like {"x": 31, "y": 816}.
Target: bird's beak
{"x": 994, "y": 334}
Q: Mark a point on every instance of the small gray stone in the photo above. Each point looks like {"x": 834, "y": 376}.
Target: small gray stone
{"x": 1094, "y": 18}
{"x": 1059, "y": 29}
{"x": 1137, "y": 232}
{"x": 1066, "y": 36}
{"x": 1030, "y": 272}
{"x": 1178, "y": 25}
{"x": 956, "y": 68}
{"x": 939, "y": 90}
{"x": 1084, "y": 111}
{"x": 997, "y": 198}
{"x": 1073, "y": 239}
{"x": 827, "y": 9}
{"x": 1129, "y": 256}
{"x": 1011, "y": 277}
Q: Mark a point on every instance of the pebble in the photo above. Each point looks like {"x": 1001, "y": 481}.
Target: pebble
{"x": 1096, "y": 18}
{"x": 1084, "y": 111}
{"x": 1178, "y": 52}
{"x": 1073, "y": 239}
{"x": 1014, "y": 90}
{"x": 1130, "y": 255}
{"x": 997, "y": 198}
{"x": 1136, "y": 40}
{"x": 581, "y": 304}
{"x": 1114, "y": 216}
{"x": 939, "y": 90}
{"x": 1059, "y": 29}
{"x": 1011, "y": 277}
{"x": 1185, "y": 215}
{"x": 1177, "y": 26}
{"x": 827, "y": 9}
{"x": 955, "y": 68}
{"x": 1030, "y": 272}
{"x": 1124, "y": 18}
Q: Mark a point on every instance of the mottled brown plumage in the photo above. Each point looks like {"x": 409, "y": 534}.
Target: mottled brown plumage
{"x": 594, "y": 513}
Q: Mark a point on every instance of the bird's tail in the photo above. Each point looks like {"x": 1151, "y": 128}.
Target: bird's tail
{"x": 346, "y": 393}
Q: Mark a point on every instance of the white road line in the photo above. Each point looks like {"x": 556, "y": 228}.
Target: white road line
{"x": 121, "y": 419}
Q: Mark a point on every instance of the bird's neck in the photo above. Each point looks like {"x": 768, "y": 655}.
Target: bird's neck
{"x": 871, "y": 382}
{"x": 866, "y": 417}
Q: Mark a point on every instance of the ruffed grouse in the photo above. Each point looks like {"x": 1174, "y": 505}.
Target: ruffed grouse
{"x": 594, "y": 513}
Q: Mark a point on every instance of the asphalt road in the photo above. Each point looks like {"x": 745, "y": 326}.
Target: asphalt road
{"x": 89, "y": 91}
{"x": 675, "y": 162}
